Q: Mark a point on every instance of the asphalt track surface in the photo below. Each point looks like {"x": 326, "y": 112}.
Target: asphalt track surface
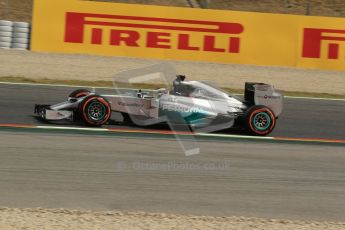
{"x": 234, "y": 177}
{"x": 301, "y": 118}
{"x": 273, "y": 180}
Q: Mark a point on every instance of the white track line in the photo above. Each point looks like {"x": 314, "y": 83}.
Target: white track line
{"x": 233, "y": 136}
{"x": 70, "y": 128}
{"x": 100, "y": 87}
{"x": 315, "y": 98}
{"x": 65, "y": 86}
{"x": 228, "y": 136}
{"x": 53, "y": 85}
{"x": 143, "y": 131}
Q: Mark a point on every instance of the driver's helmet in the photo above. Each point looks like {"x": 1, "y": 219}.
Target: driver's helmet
{"x": 177, "y": 84}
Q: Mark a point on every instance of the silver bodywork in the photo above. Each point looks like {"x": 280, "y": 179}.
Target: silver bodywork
{"x": 200, "y": 103}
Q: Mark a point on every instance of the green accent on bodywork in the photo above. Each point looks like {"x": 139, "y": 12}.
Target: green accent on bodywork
{"x": 195, "y": 118}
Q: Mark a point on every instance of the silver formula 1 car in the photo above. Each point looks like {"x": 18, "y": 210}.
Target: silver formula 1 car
{"x": 197, "y": 104}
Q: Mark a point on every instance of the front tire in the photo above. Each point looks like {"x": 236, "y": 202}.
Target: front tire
{"x": 80, "y": 93}
{"x": 260, "y": 120}
{"x": 95, "y": 110}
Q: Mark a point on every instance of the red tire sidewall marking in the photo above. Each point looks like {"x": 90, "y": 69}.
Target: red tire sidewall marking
{"x": 101, "y": 100}
{"x": 258, "y": 111}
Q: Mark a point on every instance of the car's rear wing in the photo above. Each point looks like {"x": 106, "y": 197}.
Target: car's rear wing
{"x": 264, "y": 94}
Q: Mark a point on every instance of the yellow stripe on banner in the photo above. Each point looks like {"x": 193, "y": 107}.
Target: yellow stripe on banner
{"x": 174, "y": 33}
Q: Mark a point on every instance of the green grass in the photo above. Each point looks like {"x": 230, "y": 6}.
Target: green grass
{"x": 145, "y": 86}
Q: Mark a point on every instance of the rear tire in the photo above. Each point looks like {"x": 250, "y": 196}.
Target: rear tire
{"x": 95, "y": 110}
{"x": 260, "y": 120}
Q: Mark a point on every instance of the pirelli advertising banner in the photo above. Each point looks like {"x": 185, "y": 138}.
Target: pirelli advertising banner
{"x": 87, "y": 27}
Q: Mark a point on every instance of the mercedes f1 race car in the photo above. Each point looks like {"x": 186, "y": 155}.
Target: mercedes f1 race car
{"x": 197, "y": 104}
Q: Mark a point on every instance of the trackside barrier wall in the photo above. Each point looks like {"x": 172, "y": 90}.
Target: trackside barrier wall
{"x": 15, "y": 35}
{"x": 188, "y": 34}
